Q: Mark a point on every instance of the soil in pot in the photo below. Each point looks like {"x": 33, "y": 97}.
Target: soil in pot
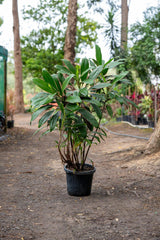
{"x": 79, "y": 183}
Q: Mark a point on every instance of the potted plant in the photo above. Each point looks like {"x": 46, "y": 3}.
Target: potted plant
{"x": 146, "y": 107}
{"x": 150, "y": 119}
{"x": 73, "y": 102}
{"x": 118, "y": 114}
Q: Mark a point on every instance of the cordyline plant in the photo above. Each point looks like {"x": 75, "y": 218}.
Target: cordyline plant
{"x": 75, "y": 104}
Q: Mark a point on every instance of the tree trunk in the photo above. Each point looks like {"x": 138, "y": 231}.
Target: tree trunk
{"x": 70, "y": 38}
{"x": 154, "y": 141}
{"x": 124, "y": 23}
{"x": 19, "y": 103}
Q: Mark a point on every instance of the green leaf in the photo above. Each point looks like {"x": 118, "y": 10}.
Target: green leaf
{"x": 96, "y": 72}
{"x": 43, "y": 85}
{"x": 94, "y": 101}
{"x": 120, "y": 77}
{"x": 53, "y": 121}
{"x": 98, "y": 139}
{"x": 101, "y": 85}
{"x": 109, "y": 110}
{"x": 89, "y": 81}
{"x": 48, "y": 78}
{"x": 105, "y": 70}
{"x": 61, "y": 106}
{"x": 38, "y": 130}
{"x": 85, "y": 73}
{"x": 99, "y": 97}
{"x": 97, "y": 110}
{"x": 44, "y": 133}
{"x": 61, "y": 78}
{"x": 88, "y": 116}
{"x": 63, "y": 69}
{"x": 98, "y": 55}
{"x": 126, "y": 81}
{"x": 128, "y": 100}
{"x": 73, "y": 99}
{"x": 114, "y": 64}
{"x": 39, "y": 111}
{"x": 81, "y": 127}
{"x": 38, "y": 97}
{"x": 72, "y": 107}
{"x": 57, "y": 84}
{"x": 45, "y": 118}
{"x": 66, "y": 82}
{"x": 71, "y": 68}
{"x": 41, "y": 99}
{"x": 84, "y": 68}
{"x": 103, "y": 132}
{"x": 83, "y": 91}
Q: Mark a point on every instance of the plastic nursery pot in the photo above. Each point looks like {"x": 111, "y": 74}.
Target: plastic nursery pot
{"x": 10, "y": 123}
{"x": 79, "y": 183}
{"x": 151, "y": 123}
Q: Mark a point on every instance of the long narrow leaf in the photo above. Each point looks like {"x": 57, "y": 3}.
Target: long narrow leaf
{"x": 57, "y": 84}
{"x": 97, "y": 110}
{"x": 48, "y": 78}
{"x": 63, "y": 69}
{"x": 101, "y": 85}
{"x": 89, "y": 81}
{"x": 114, "y": 64}
{"x": 84, "y": 92}
{"x": 43, "y": 85}
{"x": 84, "y": 68}
{"x": 88, "y": 116}
{"x": 120, "y": 77}
{"x": 109, "y": 110}
{"x": 66, "y": 82}
{"x": 38, "y": 112}
{"x": 95, "y": 73}
{"x": 53, "y": 121}
{"x": 71, "y": 68}
{"x": 45, "y": 118}
{"x": 42, "y": 101}
{"x": 38, "y": 130}
{"x": 98, "y": 55}
{"x": 74, "y": 99}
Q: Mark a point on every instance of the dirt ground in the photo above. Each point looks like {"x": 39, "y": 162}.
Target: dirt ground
{"x": 34, "y": 204}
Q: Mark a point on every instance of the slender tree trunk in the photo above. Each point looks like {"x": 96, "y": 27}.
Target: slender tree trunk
{"x": 124, "y": 24}
{"x": 154, "y": 141}
{"x": 19, "y": 103}
{"x": 70, "y": 38}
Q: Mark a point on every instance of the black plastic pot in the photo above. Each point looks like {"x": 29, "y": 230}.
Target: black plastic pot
{"x": 125, "y": 118}
{"x": 118, "y": 119}
{"x": 133, "y": 120}
{"x": 10, "y": 123}
{"x": 79, "y": 183}
{"x": 151, "y": 123}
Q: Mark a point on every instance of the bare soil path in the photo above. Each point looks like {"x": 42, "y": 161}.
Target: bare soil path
{"x": 125, "y": 199}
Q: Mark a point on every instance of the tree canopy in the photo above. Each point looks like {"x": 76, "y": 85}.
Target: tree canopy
{"x": 43, "y": 47}
{"x": 146, "y": 45}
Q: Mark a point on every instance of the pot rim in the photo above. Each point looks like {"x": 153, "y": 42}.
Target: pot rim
{"x": 67, "y": 170}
